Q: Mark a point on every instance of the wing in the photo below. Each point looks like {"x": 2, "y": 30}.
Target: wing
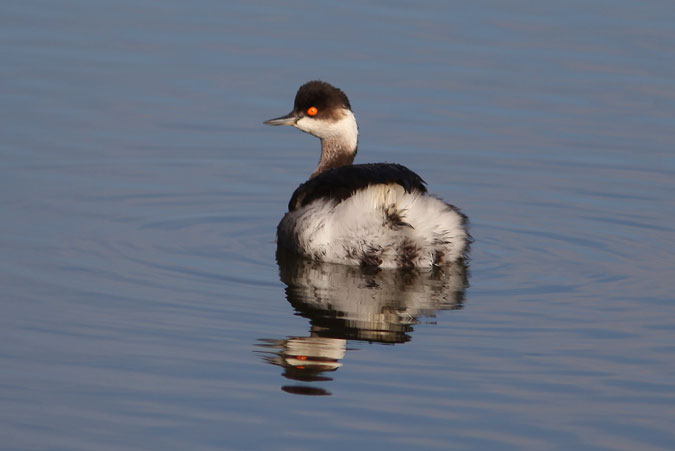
{"x": 340, "y": 183}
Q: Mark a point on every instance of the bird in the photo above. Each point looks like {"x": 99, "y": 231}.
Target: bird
{"x": 373, "y": 214}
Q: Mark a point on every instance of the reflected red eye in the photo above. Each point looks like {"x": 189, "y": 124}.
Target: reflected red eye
{"x": 312, "y": 111}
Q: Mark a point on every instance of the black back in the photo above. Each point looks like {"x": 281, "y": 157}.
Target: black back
{"x": 340, "y": 183}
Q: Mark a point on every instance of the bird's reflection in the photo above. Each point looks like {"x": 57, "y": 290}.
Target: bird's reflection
{"x": 352, "y": 303}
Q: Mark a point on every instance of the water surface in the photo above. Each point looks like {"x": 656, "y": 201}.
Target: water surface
{"x": 144, "y": 305}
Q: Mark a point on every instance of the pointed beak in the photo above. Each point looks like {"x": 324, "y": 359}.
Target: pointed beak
{"x": 290, "y": 119}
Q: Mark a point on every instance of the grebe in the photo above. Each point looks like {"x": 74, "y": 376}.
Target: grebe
{"x": 366, "y": 214}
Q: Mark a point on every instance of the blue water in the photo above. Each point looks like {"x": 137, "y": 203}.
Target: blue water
{"x": 144, "y": 306}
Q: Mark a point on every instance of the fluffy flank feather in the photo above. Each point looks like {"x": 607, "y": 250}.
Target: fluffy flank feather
{"x": 381, "y": 225}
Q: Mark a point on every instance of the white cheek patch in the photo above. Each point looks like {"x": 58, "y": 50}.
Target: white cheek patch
{"x": 344, "y": 129}
{"x": 309, "y": 125}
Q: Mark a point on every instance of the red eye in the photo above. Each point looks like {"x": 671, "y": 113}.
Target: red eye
{"x": 312, "y": 111}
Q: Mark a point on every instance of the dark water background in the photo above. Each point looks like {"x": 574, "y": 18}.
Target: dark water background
{"x": 142, "y": 303}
